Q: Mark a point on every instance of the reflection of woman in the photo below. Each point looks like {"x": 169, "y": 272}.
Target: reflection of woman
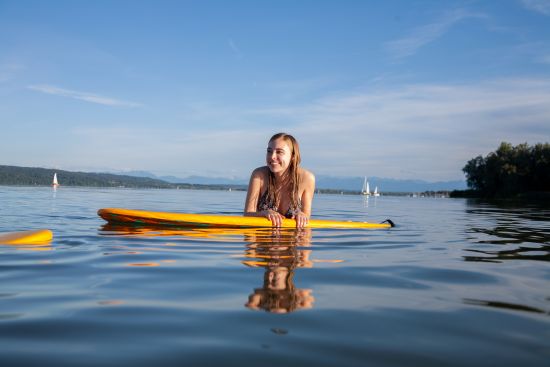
{"x": 280, "y": 256}
{"x": 283, "y": 300}
{"x": 281, "y": 188}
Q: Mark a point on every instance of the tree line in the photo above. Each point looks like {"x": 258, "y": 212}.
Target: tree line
{"x": 509, "y": 171}
{"x": 33, "y": 176}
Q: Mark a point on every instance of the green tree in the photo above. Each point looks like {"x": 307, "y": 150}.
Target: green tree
{"x": 510, "y": 170}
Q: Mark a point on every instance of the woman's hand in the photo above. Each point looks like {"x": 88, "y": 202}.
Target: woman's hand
{"x": 301, "y": 219}
{"x": 275, "y": 217}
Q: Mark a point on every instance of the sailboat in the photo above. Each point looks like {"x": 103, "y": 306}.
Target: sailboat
{"x": 376, "y": 193}
{"x": 55, "y": 183}
{"x": 366, "y": 190}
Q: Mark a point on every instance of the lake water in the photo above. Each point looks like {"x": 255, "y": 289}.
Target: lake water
{"x": 455, "y": 283}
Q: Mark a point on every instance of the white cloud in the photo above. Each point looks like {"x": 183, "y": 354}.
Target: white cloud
{"x": 540, "y": 6}
{"x": 426, "y": 131}
{"x": 426, "y": 34}
{"x": 83, "y": 96}
{"x": 429, "y": 129}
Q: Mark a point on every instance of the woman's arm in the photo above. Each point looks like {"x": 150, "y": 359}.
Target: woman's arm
{"x": 253, "y": 195}
{"x": 308, "y": 182}
{"x": 309, "y": 190}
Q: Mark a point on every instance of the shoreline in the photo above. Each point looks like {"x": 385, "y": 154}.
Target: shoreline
{"x": 216, "y": 187}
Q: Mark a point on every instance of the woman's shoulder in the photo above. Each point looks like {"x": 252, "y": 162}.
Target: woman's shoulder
{"x": 306, "y": 176}
{"x": 260, "y": 172}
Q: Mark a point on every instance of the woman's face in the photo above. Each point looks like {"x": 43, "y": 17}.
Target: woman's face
{"x": 278, "y": 156}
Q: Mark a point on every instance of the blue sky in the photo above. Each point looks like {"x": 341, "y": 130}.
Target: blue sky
{"x": 396, "y": 89}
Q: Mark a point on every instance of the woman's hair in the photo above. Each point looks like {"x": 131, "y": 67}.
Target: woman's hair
{"x": 292, "y": 173}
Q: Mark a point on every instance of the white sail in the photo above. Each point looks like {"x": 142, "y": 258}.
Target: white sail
{"x": 55, "y": 183}
{"x": 366, "y": 190}
{"x": 376, "y": 193}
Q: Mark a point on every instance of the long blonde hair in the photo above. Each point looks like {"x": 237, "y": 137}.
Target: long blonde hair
{"x": 292, "y": 173}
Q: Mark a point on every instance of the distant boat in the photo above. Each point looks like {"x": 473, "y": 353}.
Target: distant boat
{"x": 366, "y": 190}
{"x": 376, "y": 193}
{"x": 55, "y": 183}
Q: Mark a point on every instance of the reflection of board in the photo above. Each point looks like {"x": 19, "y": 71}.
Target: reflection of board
{"x": 33, "y": 237}
{"x": 142, "y": 217}
{"x": 270, "y": 235}
{"x": 263, "y": 234}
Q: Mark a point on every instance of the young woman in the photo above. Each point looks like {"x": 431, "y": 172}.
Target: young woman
{"x": 282, "y": 188}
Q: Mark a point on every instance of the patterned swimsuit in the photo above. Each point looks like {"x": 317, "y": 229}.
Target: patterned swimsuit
{"x": 265, "y": 204}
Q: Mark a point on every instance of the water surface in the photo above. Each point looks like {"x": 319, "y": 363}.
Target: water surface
{"x": 456, "y": 283}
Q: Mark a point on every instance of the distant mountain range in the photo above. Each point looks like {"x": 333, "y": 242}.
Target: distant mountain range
{"x": 197, "y": 180}
{"x": 324, "y": 182}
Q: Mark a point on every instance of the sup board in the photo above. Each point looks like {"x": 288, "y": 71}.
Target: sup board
{"x": 142, "y": 217}
{"x": 32, "y": 237}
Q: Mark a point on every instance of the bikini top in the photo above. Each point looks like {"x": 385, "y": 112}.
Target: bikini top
{"x": 265, "y": 204}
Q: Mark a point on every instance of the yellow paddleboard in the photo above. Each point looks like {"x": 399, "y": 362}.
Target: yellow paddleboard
{"x": 33, "y": 237}
{"x": 142, "y": 217}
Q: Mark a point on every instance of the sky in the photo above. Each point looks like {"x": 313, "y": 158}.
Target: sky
{"x": 403, "y": 89}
